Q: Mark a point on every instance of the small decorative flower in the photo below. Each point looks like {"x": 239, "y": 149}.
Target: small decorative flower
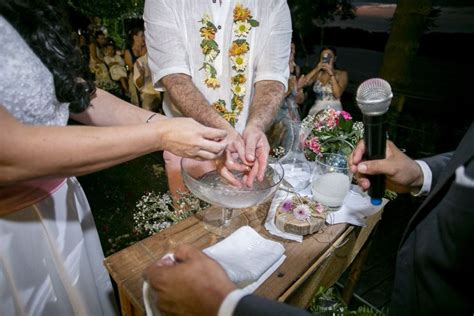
{"x": 239, "y": 63}
{"x": 302, "y": 212}
{"x": 346, "y": 115}
{"x": 238, "y": 90}
{"x": 212, "y": 83}
{"x": 238, "y": 48}
{"x": 242, "y": 28}
{"x": 287, "y": 205}
{"x": 319, "y": 208}
{"x": 241, "y": 13}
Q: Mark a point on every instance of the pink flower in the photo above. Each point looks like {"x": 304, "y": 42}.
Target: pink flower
{"x": 302, "y": 212}
{"x": 314, "y": 145}
{"x": 319, "y": 208}
{"x": 346, "y": 115}
{"x": 287, "y": 205}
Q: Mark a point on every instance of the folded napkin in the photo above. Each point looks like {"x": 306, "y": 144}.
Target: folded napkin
{"x": 248, "y": 258}
{"x": 245, "y": 255}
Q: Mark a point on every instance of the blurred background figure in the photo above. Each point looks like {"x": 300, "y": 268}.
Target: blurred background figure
{"x": 135, "y": 49}
{"x": 116, "y": 66}
{"x": 150, "y": 99}
{"x": 329, "y": 83}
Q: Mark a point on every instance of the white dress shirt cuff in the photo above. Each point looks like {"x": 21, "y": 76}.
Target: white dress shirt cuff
{"x": 230, "y": 302}
{"x": 427, "y": 178}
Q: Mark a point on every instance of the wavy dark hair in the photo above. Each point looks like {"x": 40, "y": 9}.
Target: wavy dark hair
{"x": 46, "y": 31}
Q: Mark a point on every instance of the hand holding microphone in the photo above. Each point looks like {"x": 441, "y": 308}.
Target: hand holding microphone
{"x": 373, "y": 98}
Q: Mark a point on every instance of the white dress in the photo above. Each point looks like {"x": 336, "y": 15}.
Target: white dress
{"x": 51, "y": 260}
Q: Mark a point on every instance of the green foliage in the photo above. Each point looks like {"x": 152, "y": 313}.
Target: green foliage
{"x": 113, "y": 9}
{"x": 329, "y": 302}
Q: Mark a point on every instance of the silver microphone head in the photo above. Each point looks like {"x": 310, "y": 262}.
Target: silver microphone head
{"x": 374, "y": 96}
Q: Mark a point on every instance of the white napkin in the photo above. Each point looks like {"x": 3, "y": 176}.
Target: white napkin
{"x": 245, "y": 255}
{"x": 355, "y": 209}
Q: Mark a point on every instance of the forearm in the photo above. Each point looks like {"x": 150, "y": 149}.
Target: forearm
{"x": 266, "y": 100}
{"x": 336, "y": 88}
{"x": 191, "y": 102}
{"x": 107, "y": 110}
{"x": 29, "y": 152}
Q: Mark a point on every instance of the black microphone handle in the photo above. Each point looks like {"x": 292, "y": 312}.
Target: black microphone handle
{"x": 375, "y": 143}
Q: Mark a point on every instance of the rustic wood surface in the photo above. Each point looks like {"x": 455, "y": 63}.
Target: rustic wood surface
{"x": 303, "y": 259}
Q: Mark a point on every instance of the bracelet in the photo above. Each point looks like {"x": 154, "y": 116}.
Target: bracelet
{"x": 151, "y": 116}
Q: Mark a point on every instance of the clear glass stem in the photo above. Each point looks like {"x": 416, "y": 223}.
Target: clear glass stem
{"x": 227, "y": 215}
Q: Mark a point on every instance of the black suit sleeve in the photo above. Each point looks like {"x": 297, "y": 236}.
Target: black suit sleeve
{"x": 437, "y": 164}
{"x": 257, "y": 305}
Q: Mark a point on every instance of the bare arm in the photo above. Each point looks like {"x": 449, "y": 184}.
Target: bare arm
{"x": 266, "y": 100}
{"x": 339, "y": 83}
{"x": 191, "y": 102}
{"x": 77, "y": 150}
{"x": 107, "y": 110}
{"x": 127, "y": 57}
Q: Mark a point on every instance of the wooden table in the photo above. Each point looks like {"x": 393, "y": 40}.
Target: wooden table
{"x": 318, "y": 261}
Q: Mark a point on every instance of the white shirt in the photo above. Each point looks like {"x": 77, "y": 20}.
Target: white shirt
{"x": 172, "y": 30}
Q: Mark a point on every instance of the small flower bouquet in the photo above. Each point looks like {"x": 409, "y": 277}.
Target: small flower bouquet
{"x": 300, "y": 215}
{"x": 330, "y": 131}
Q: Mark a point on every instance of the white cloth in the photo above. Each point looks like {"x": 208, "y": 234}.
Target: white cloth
{"x": 248, "y": 259}
{"x": 51, "y": 259}
{"x": 245, "y": 255}
{"x": 173, "y": 42}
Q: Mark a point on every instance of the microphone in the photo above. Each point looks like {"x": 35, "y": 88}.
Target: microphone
{"x": 373, "y": 98}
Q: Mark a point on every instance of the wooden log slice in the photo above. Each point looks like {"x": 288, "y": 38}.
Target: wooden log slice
{"x": 287, "y": 222}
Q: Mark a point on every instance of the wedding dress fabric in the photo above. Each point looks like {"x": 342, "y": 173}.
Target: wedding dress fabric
{"x": 50, "y": 253}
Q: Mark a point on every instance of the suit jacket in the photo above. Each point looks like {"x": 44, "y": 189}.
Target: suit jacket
{"x": 435, "y": 262}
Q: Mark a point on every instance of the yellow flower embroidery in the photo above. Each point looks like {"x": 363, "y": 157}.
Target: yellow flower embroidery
{"x": 238, "y": 49}
{"x": 243, "y": 24}
{"x": 212, "y": 83}
{"x": 241, "y": 13}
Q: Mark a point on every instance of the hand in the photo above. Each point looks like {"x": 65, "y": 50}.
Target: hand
{"x": 302, "y": 82}
{"x": 402, "y": 173}
{"x": 141, "y": 69}
{"x": 187, "y": 138}
{"x": 195, "y": 285}
{"x": 256, "y": 153}
{"x": 233, "y": 159}
{"x": 328, "y": 68}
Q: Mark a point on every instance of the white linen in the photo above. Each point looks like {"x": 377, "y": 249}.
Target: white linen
{"x": 173, "y": 42}
{"x": 51, "y": 259}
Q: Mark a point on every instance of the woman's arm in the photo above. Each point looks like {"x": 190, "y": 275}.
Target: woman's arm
{"x": 127, "y": 57}
{"x": 339, "y": 83}
{"x": 108, "y": 110}
{"x": 29, "y": 152}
